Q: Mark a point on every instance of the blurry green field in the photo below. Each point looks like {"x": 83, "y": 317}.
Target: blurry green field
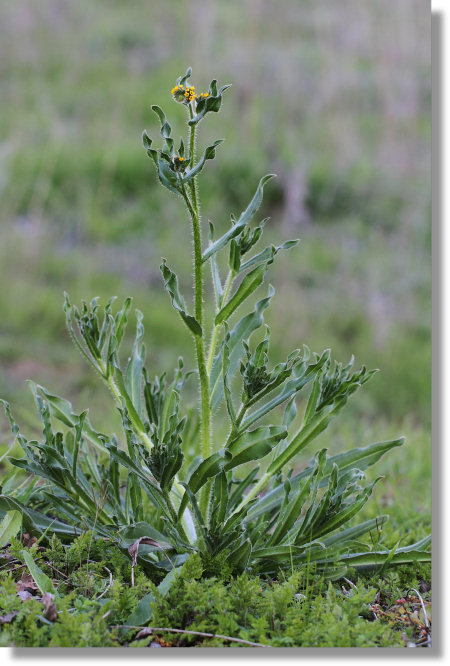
{"x": 333, "y": 97}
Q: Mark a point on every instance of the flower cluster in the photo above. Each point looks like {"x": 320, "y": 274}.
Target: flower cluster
{"x": 186, "y": 94}
{"x": 178, "y": 163}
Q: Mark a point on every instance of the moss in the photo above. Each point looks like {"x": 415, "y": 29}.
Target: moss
{"x": 301, "y": 609}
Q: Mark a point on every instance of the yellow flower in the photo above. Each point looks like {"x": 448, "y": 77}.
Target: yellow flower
{"x": 183, "y": 94}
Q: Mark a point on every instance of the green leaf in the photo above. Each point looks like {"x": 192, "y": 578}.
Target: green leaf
{"x": 121, "y": 319}
{"x": 168, "y": 177}
{"x": 40, "y": 578}
{"x": 248, "y": 285}
{"x": 220, "y": 498}
{"x": 144, "y": 611}
{"x": 277, "y": 552}
{"x": 244, "y": 219}
{"x": 132, "y": 412}
{"x": 240, "y": 557}
{"x": 254, "y": 444}
{"x": 309, "y": 432}
{"x": 165, "y": 127}
{"x": 211, "y": 103}
{"x": 129, "y": 534}
{"x": 235, "y": 257}
{"x": 171, "y": 284}
{"x": 267, "y": 256}
{"x": 133, "y": 375}
{"x": 302, "y": 374}
{"x": 33, "y": 521}
{"x": 146, "y": 140}
{"x": 209, "y": 154}
{"x": 255, "y": 203}
{"x": 181, "y": 81}
{"x": 207, "y": 469}
{"x": 352, "y": 533}
{"x": 362, "y": 458}
{"x": 9, "y": 527}
{"x": 377, "y": 559}
{"x": 289, "y": 516}
{"x": 242, "y": 331}
{"x": 226, "y": 385}
{"x": 61, "y": 409}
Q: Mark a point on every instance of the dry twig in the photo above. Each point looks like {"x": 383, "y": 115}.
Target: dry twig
{"x": 148, "y": 631}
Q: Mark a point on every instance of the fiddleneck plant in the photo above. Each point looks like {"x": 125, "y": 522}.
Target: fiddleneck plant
{"x": 171, "y": 485}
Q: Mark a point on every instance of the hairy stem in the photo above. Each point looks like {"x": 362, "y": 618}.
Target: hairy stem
{"x": 216, "y": 329}
{"x": 193, "y": 207}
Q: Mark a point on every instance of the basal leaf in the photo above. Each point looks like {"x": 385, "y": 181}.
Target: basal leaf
{"x": 144, "y": 611}
{"x": 10, "y": 526}
{"x": 40, "y": 578}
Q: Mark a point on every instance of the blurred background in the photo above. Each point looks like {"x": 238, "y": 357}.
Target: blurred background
{"x": 334, "y": 97}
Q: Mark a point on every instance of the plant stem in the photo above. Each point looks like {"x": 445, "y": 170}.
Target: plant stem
{"x": 193, "y": 207}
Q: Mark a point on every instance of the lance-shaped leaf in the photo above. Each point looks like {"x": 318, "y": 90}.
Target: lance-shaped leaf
{"x": 144, "y": 610}
{"x": 168, "y": 177}
{"x": 165, "y": 127}
{"x": 361, "y": 458}
{"x": 133, "y": 375}
{"x": 217, "y": 284}
{"x": 40, "y": 578}
{"x": 220, "y": 499}
{"x": 316, "y": 424}
{"x": 34, "y": 521}
{"x": 316, "y": 529}
{"x": 208, "y": 469}
{"x": 226, "y": 383}
{"x": 240, "y": 557}
{"x": 254, "y": 444}
{"x": 242, "y": 331}
{"x": 377, "y": 559}
{"x": 137, "y": 469}
{"x": 61, "y": 410}
{"x": 127, "y": 403}
{"x": 244, "y": 219}
{"x": 129, "y": 534}
{"x": 248, "y": 285}
{"x": 10, "y": 526}
{"x": 171, "y": 284}
{"x": 209, "y": 154}
{"x": 151, "y": 152}
{"x": 267, "y": 255}
{"x": 351, "y": 533}
{"x": 302, "y": 374}
{"x": 289, "y": 515}
{"x": 202, "y": 472}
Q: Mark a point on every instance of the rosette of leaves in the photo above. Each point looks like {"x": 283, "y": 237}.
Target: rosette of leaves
{"x": 168, "y": 484}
